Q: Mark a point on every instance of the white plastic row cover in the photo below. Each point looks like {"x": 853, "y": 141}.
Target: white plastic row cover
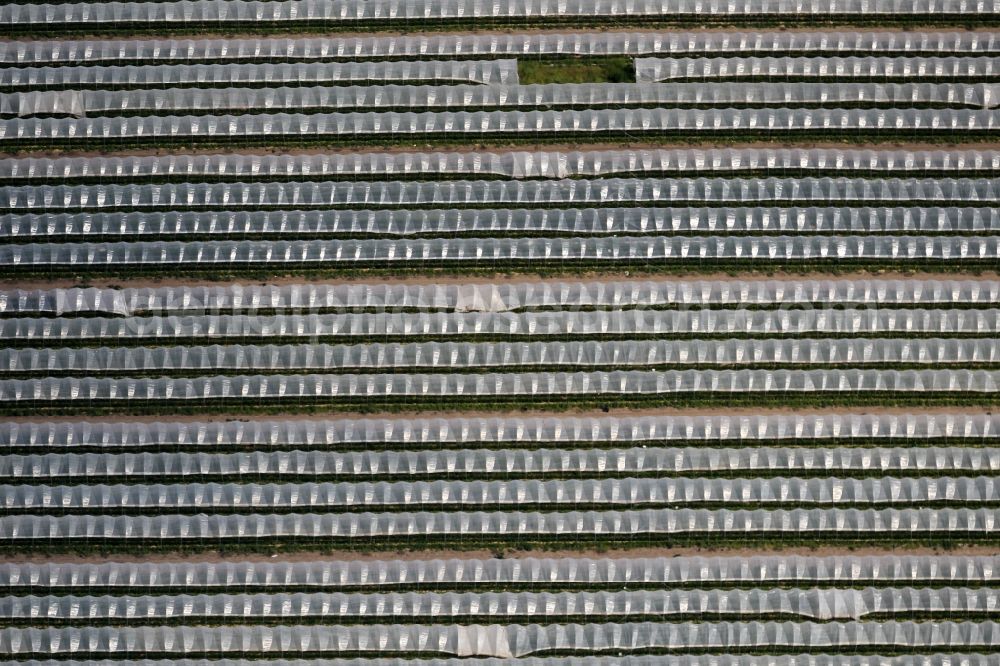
{"x": 497, "y": 386}
{"x": 448, "y": 124}
{"x": 470, "y": 97}
{"x": 652, "y": 70}
{"x": 497, "y": 297}
{"x": 177, "y": 13}
{"x": 454, "y": 355}
{"x": 562, "y": 192}
{"x": 147, "y": 467}
{"x": 505, "y": 641}
{"x": 488, "y": 72}
{"x": 820, "y": 604}
{"x": 48, "y": 330}
{"x": 757, "y": 570}
{"x": 487, "y": 431}
{"x": 451, "y": 221}
{"x": 495, "y": 45}
{"x": 478, "y": 250}
{"x": 492, "y": 495}
{"x": 510, "y": 164}
{"x": 938, "y": 659}
{"x": 25, "y": 529}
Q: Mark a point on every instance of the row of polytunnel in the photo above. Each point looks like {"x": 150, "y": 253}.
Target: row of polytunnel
{"x": 976, "y": 429}
{"x": 485, "y": 72}
{"x": 492, "y": 463}
{"x": 505, "y": 250}
{"x": 560, "y": 192}
{"x": 820, "y": 604}
{"x": 81, "y": 484}
{"x": 511, "y": 481}
{"x": 501, "y": 72}
{"x": 277, "y": 127}
{"x": 499, "y": 296}
{"x": 495, "y": 386}
{"x": 508, "y": 164}
{"x": 178, "y": 13}
{"x": 815, "y": 659}
{"x": 496, "y": 221}
{"x": 498, "y": 525}
{"x": 454, "y": 355}
{"x": 468, "y": 495}
{"x": 175, "y": 101}
{"x": 496, "y": 640}
{"x": 693, "y": 323}
{"x": 258, "y": 49}
{"x": 512, "y": 573}
{"x": 651, "y": 70}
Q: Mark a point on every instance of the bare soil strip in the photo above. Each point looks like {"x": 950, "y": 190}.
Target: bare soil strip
{"x": 506, "y": 277}
{"x": 357, "y": 556}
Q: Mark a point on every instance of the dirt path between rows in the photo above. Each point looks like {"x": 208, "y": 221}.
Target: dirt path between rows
{"x": 411, "y": 555}
{"x": 516, "y": 147}
{"x": 214, "y": 417}
{"x": 503, "y": 278}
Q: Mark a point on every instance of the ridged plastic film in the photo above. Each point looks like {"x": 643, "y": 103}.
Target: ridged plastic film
{"x": 494, "y": 640}
{"x": 456, "y": 355}
{"x": 469, "y": 526}
{"x": 468, "y": 97}
{"x": 451, "y": 221}
{"x": 497, "y": 297}
{"x": 373, "y": 433}
{"x": 816, "y": 604}
{"x": 493, "y": 463}
{"x": 583, "y": 43}
{"x": 483, "y": 495}
{"x": 477, "y": 250}
{"x": 348, "y": 12}
{"x": 651, "y": 70}
{"x": 510, "y": 164}
{"x": 940, "y": 659}
{"x": 500, "y": 386}
{"x": 317, "y": 127}
{"x": 487, "y": 72}
{"x": 595, "y": 323}
{"x": 568, "y": 192}
{"x": 759, "y": 570}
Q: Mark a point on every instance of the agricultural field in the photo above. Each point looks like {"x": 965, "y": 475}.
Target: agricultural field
{"x": 534, "y": 332}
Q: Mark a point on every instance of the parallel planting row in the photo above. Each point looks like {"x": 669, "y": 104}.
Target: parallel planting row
{"x": 344, "y": 15}
{"x": 648, "y": 480}
{"x": 236, "y": 163}
{"x": 922, "y": 605}
{"x": 637, "y": 209}
{"x": 162, "y": 349}
{"x": 548, "y": 210}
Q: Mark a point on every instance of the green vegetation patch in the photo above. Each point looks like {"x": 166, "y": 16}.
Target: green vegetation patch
{"x": 577, "y": 70}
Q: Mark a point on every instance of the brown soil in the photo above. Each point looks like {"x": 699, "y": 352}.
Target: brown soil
{"x": 569, "y": 413}
{"x": 501, "y": 278}
{"x": 355, "y": 556}
{"x": 514, "y": 147}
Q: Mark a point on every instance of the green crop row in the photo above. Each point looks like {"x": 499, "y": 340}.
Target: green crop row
{"x": 316, "y": 270}
{"x": 499, "y": 542}
{"x": 497, "y": 139}
{"x": 389, "y": 403}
